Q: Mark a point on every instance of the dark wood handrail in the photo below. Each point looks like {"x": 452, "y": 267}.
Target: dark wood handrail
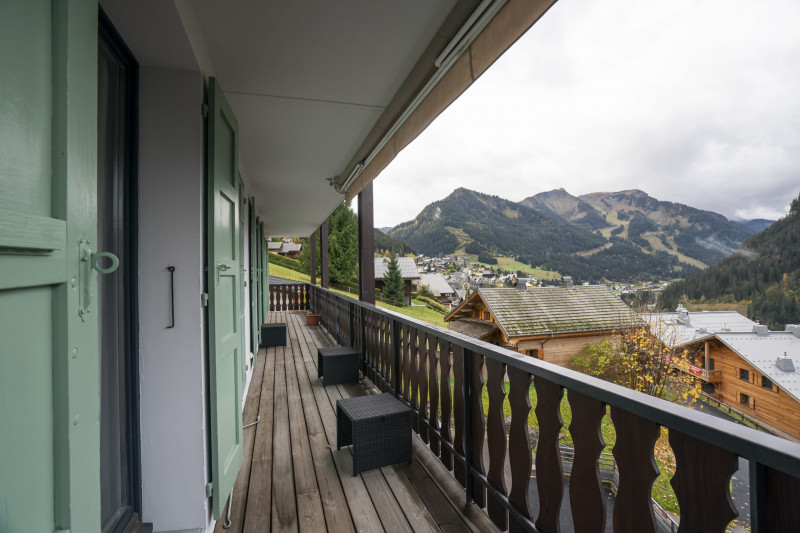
{"x": 393, "y": 345}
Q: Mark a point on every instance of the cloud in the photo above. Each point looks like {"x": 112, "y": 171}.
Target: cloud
{"x": 692, "y": 102}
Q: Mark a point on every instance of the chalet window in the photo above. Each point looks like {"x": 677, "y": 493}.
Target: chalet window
{"x": 766, "y": 382}
{"x": 744, "y": 399}
{"x": 711, "y": 363}
{"x": 744, "y": 375}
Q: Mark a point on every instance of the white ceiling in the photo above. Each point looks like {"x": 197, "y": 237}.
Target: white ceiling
{"x": 307, "y": 80}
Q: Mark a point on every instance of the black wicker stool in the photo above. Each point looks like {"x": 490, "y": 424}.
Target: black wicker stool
{"x": 273, "y": 334}
{"x": 379, "y": 428}
{"x": 338, "y": 364}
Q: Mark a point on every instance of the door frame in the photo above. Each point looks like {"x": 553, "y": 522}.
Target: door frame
{"x": 113, "y": 39}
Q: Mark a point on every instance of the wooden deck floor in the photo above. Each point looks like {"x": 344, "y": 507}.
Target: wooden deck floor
{"x": 293, "y": 477}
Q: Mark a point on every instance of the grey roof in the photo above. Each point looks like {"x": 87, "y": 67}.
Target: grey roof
{"x": 545, "y": 310}
{"x": 273, "y": 245}
{"x": 682, "y": 327}
{"x": 290, "y": 247}
{"x": 762, "y": 351}
{"x": 473, "y": 327}
{"x": 408, "y": 268}
{"x": 436, "y": 283}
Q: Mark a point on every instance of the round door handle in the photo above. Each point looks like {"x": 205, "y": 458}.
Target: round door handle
{"x": 109, "y": 269}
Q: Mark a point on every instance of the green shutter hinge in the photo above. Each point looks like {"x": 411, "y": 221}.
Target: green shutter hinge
{"x": 204, "y": 299}
{"x": 61, "y": 531}
{"x": 209, "y": 489}
{"x": 204, "y": 110}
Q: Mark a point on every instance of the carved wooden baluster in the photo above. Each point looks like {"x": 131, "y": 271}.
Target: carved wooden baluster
{"x": 272, "y": 298}
{"x": 496, "y": 437}
{"x": 284, "y": 298}
{"x": 422, "y": 378}
{"x": 478, "y": 426}
{"x": 446, "y": 399}
{"x": 585, "y": 487}
{"x": 702, "y": 483}
{"x": 383, "y": 349}
{"x": 781, "y": 494}
{"x": 549, "y": 474}
{"x": 458, "y": 411}
{"x": 633, "y": 452}
{"x": 433, "y": 390}
{"x": 414, "y": 376}
{"x": 519, "y": 445}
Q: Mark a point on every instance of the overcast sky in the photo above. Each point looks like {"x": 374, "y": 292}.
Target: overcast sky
{"x": 696, "y": 102}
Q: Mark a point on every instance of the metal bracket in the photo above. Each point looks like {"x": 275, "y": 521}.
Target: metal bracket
{"x": 209, "y": 489}
{"x": 204, "y": 299}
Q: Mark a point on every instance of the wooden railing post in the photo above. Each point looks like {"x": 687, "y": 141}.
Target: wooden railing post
{"x": 465, "y": 387}
{"x": 396, "y": 357}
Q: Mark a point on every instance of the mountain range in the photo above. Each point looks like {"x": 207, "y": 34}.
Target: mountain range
{"x": 617, "y": 236}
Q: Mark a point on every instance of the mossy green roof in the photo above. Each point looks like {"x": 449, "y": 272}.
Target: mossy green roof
{"x": 546, "y": 310}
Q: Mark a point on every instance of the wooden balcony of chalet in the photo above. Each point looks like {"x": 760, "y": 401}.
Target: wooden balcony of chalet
{"x": 472, "y": 469}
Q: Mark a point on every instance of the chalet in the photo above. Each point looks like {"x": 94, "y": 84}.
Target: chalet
{"x": 290, "y": 250}
{"x": 408, "y": 271}
{"x": 549, "y": 323}
{"x": 438, "y": 285}
{"x": 756, "y": 373}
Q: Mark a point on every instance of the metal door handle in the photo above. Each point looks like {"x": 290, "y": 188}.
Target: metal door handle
{"x": 108, "y": 270}
{"x": 221, "y": 267}
{"x": 89, "y": 262}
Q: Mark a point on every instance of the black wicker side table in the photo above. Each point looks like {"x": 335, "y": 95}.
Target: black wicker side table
{"x": 379, "y": 428}
{"x": 338, "y": 364}
{"x": 273, "y": 334}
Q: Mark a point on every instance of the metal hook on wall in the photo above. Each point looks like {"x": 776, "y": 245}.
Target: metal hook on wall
{"x": 172, "y": 293}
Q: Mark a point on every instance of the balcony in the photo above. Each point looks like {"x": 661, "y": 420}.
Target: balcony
{"x": 487, "y": 468}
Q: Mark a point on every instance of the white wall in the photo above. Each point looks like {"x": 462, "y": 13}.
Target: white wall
{"x": 172, "y": 361}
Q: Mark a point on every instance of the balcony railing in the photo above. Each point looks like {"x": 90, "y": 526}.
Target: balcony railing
{"x": 411, "y": 360}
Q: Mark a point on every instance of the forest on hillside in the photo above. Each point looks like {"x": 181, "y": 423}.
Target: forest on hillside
{"x": 765, "y": 271}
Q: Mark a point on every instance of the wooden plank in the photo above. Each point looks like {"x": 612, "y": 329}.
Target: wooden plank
{"x": 585, "y": 487}
{"x": 417, "y": 514}
{"x": 458, "y": 411}
{"x": 702, "y": 483}
{"x": 475, "y": 519}
{"x": 309, "y": 505}
{"x": 284, "y": 504}
{"x": 240, "y": 487}
{"x": 446, "y": 399}
{"x": 496, "y": 439}
{"x": 782, "y": 492}
{"x": 362, "y": 510}
{"x": 519, "y": 445}
{"x": 433, "y": 387}
{"x": 549, "y": 474}
{"x": 259, "y": 490}
{"x": 633, "y": 452}
{"x": 422, "y": 379}
{"x": 447, "y": 518}
{"x": 334, "y": 503}
{"x": 478, "y": 426}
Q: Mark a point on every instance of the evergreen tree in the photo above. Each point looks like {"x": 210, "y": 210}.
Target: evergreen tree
{"x": 393, "y": 283}
{"x": 343, "y": 245}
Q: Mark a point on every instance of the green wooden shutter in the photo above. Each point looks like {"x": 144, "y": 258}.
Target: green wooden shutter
{"x": 49, "y": 386}
{"x": 254, "y": 298}
{"x": 224, "y": 309}
{"x": 242, "y": 282}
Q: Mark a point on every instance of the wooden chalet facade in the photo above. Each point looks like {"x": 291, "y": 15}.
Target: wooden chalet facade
{"x": 408, "y": 271}
{"x": 549, "y": 323}
{"x": 749, "y": 373}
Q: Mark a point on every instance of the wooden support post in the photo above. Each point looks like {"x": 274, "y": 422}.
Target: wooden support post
{"x": 366, "y": 246}
{"x": 323, "y": 245}
{"x": 313, "y": 272}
